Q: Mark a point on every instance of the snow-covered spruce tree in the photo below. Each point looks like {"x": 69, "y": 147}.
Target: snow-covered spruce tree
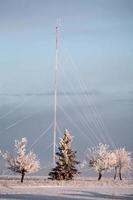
{"x": 98, "y": 158}
{"x": 21, "y": 162}
{"x": 123, "y": 162}
{"x": 66, "y": 160}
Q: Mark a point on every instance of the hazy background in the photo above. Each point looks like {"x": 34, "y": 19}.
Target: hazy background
{"x": 95, "y": 78}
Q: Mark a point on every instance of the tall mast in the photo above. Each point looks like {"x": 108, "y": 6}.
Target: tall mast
{"x": 55, "y": 96}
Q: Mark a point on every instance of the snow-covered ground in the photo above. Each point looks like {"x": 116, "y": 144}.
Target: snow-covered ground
{"x": 81, "y": 188}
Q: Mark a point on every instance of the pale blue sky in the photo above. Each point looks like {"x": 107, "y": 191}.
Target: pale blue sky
{"x": 98, "y": 35}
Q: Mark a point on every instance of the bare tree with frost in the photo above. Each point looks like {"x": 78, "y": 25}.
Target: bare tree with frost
{"x": 21, "y": 162}
{"x": 98, "y": 158}
{"x": 123, "y": 162}
{"x": 66, "y": 160}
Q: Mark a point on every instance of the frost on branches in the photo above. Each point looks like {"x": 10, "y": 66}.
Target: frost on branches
{"x": 66, "y": 160}
{"x": 123, "y": 162}
{"x": 100, "y": 158}
{"x": 21, "y": 162}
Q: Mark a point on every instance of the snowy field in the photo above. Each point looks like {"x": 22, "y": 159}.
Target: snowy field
{"x": 81, "y": 188}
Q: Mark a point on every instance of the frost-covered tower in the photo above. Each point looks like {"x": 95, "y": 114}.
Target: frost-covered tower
{"x": 66, "y": 160}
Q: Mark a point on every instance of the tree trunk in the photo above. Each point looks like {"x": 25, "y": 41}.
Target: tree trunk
{"x": 22, "y": 177}
{"x": 99, "y": 176}
{"x": 120, "y": 174}
{"x": 115, "y": 173}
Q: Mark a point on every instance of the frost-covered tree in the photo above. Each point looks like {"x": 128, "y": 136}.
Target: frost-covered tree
{"x": 66, "y": 160}
{"x": 123, "y": 162}
{"x": 98, "y": 158}
{"x": 21, "y": 162}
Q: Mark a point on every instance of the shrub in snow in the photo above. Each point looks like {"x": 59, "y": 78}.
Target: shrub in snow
{"x": 98, "y": 158}
{"x": 21, "y": 162}
{"x": 66, "y": 160}
{"x": 123, "y": 162}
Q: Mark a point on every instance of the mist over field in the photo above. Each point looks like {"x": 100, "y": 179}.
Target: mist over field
{"x": 30, "y": 116}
